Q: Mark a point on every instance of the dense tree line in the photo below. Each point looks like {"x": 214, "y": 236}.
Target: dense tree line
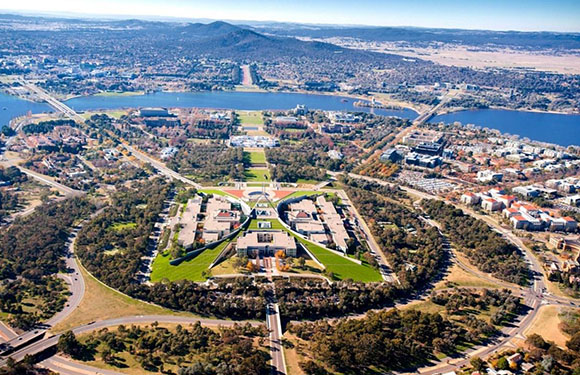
{"x": 457, "y": 301}
{"x": 114, "y": 255}
{"x": 550, "y": 358}
{"x": 314, "y": 298}
{"x": 291, "y": 163}
{"x": 196, "y": 350}
{"x": 23, "y": 368}
{"x": 11, "y": 175}
{"x": 33, "y": 246}
{"x": 486, "y": 249}
{"x": 44, "y": 127}
{"x": 31, "y": 253}
{"x": 387, "y": 340}
{"x": 8, "y": 202}
{"x": 211, "y": 162}
{"x": 48, "y": 295}
{"x": 238, "y": 299}
{"x": 414, "y": 250}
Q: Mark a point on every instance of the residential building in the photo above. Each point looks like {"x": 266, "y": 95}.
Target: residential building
{"x": 490, "y": 204}
{"x": 489, "y": 176}
{"x": 470, "y": 199}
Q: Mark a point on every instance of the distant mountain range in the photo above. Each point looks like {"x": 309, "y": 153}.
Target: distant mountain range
{"x": 414, "y": 35}
{"x": 217, "y": 39}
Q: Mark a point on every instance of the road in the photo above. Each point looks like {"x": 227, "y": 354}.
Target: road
{"x": 384, "y": 266}
{"x": 48, "y": 342}
{"x": 275, "y": 328}
{"x": 161, "y": 167}
{"x": 70, "y": 113}
{"x": 67, "y": 191}
{"x": 246, "y": 75}
{"x": 76, "y": 286}
{"x": 533, "y": 296}
{"x": 64, "y": 366}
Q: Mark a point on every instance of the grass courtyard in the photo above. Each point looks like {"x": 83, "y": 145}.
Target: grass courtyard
{"x": 257, "y": 175}
{"x": 250, "y": 118}
{"x": 256, "y": 157}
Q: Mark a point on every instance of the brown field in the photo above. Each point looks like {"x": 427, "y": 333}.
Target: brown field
{"x": 546, "y": 324}
{"x": 460, "y": 277}
{"x": 101, "y": 302}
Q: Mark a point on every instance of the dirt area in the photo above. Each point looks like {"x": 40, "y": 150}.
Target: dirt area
{"x": 291, "y": 355}
{"x": 464, "y": 56}
{"x": 546, "y": 324}
{"x": 458, "y": 276}
{"x": 101, "y": 302}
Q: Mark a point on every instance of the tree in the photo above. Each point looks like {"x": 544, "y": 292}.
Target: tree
{"x": 312, "y": 368}
{"x": 477, "y": 363}
{"x": 574, "y": 342}
{"x": 301, "y": 262}
{"x": 503, "y": 364}
{"x": 252, "y": 267}
{"x": 68, "y": 344}
{"x": 239, "y": 262}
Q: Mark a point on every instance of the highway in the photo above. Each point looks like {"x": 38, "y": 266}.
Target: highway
{"x": 50, "y": 341}
{"x": 67, "y": 191}
{"x": 70, "y": 113}
{"x": 274, "y": 319}
{"x": 275, "y": 327}
{"x": 49, "y": 181}
{"x": 65, "y": 366}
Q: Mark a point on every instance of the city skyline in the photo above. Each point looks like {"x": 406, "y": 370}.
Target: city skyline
{"x": 560, "y": 16}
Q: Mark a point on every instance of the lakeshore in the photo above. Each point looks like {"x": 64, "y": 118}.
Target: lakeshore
{"x": 562, "y": 129}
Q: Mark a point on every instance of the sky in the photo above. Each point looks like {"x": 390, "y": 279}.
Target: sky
{"x": 524, "y": 15}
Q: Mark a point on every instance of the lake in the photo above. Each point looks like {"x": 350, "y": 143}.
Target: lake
{"x": 548, "y": 127}
{"x": 11, "y": 106}
{"x": 229, "y": 100}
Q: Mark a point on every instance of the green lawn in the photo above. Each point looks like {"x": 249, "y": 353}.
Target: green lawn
{"x": 188, "y": 270}
{"x": 257, "y": 157}
{"x": 257, "y": 175}
{"x": 306, "y": 193}
{"x": 251, "y": 118}
{"x": 217, "y": 192}
{"x": 274, "y": 222}
{"x": 341, "y": 267}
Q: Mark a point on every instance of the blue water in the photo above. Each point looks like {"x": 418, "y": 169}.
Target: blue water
{"x": 17, "y": 107}
{"x": 547, "y": 127}
{"x": 229, "y": 100}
